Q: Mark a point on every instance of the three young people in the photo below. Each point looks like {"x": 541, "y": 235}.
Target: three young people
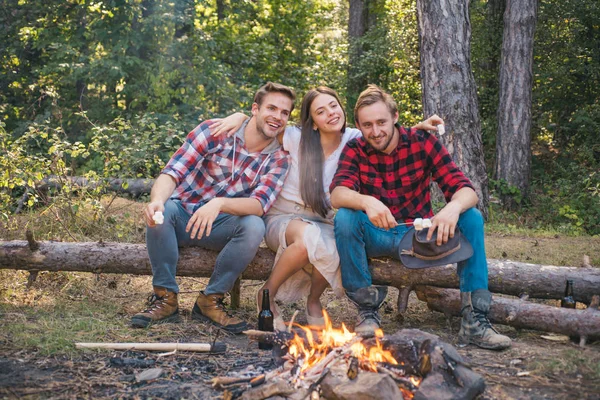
{"x": 376, "y": 181}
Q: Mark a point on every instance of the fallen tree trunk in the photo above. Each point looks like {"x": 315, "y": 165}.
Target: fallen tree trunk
{"x": 133, "y": 187}
{"x": 520, "y": 313}
{"x": 514, "y": 278}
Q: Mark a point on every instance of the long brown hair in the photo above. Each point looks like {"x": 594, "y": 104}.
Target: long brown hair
{"x": 311, "y": 154}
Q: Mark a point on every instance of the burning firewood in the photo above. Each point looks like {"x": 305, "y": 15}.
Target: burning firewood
{"x": 338, "y": 361}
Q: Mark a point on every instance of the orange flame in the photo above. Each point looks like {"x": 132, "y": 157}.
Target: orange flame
{"x": 313, "y": 351}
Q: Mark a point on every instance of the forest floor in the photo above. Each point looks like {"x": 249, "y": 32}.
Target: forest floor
{"x": 41, "y": 323}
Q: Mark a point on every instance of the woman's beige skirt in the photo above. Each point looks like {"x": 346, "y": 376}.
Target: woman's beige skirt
{"x": 319, "y": 240}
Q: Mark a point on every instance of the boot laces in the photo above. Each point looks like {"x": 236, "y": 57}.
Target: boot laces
{"x": 369, "y": 314}
{"x": 154, "y": 303}
{"x": 483, "y": 320}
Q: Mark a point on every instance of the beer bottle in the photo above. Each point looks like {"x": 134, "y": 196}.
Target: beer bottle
{"x": 265, "y": 319}
{"x": 568, "y": 301}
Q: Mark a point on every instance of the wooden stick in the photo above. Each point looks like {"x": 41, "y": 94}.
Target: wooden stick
{"x": 218, "y": 347}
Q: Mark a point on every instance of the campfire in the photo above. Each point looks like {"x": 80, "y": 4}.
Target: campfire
{"x": 335, "y": 363}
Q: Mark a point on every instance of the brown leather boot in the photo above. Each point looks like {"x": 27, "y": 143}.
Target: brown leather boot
{"x": 475, "y": 327}
{"x": 162, "y": 307}
{"x": 210, "y": 307}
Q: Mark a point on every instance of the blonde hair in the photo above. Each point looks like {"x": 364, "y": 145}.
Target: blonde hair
{"x": 371, "y": 95}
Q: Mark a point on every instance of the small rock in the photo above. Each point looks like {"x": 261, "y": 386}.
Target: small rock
{"x": 367, "y": 386}
{"x": 149, "y": 374}
{"x": 127, "y": 378}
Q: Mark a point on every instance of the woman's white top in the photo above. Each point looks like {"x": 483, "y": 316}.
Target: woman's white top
{"x": 291, "y": 143}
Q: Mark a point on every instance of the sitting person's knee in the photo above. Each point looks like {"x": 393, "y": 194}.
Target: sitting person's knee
{"x": 252, "y": 226}
{"x": 346, "y": 219}
{"x": 472, "y": 219}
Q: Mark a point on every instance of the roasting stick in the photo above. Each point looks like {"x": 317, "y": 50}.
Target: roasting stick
{"x": 218, "y": 347}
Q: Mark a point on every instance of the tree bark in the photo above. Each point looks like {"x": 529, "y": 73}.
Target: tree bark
{"x": 520, "y": 313}
{"x": 513, "y": 142}
{"x": 357, "y": 27}
{"x": 220, "y": 10}
{"x": 513, "y": 278}
{"x": 449, "y": 85}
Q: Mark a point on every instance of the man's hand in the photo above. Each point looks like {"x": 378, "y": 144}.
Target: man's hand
{"x": 445, "y": 221}
{"x": 379, "y": 214}
{"x": 430, "y": 124}
{"x": 149, "y": 211}
{"x": 203, "y": 218}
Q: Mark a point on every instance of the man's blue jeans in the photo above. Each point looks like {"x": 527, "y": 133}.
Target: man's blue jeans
{"x": 236, "y": 237}
{"x": 357, "y": 239}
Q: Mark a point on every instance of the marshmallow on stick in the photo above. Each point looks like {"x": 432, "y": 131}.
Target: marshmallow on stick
{"x": 418, "y": 224}
{"x": 158, "y": 217}
{"x": 441, "y": 129}
{"x": 426, "y": 223}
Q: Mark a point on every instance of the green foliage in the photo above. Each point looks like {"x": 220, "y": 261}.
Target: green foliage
{"x": 108, "y": 88}
{"x": 138, "y": 148}
{"x": 506, "y": 191}
{"x": 135, "y": 148}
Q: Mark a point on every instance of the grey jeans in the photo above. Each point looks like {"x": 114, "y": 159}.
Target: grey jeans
{"x": 236, "y": 237}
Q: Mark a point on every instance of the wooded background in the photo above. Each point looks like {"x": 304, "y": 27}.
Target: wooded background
{"x": 110, "y": 88}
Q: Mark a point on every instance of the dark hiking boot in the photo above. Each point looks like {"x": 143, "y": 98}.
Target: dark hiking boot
{"x": 210, "y": 308}
{"x": 475, "y": 326}
{"x": 162, "y": 307}
{"x": 368, "y": 300}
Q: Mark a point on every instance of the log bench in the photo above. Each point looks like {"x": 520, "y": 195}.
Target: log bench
{"x": 437, "y": 286}
{"x": 508, "y": 277}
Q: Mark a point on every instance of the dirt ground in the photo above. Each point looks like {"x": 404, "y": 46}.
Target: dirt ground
{"x": 534, "y": 368}
{"x": 40, "y": 325}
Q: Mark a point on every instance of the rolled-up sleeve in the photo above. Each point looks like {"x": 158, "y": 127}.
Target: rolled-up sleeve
{"x": 271, "y": 182}
{"x": 449, "y": 178}
{"x": 347, "y": 173}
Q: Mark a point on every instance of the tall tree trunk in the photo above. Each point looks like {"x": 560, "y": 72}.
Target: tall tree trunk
{"x": 357, "y": 27}
{"x": 449, "y": 85}
{"x": 220, "y": 10}
{"x": 513, "y": 142}
{"x": 185, "y": 12}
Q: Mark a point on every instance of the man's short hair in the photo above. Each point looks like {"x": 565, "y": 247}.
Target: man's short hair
{"x": 272, "y": 87}
{"x": 371, "y": 95}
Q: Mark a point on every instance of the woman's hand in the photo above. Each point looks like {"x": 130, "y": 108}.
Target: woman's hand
{"x": 228, "y": 125}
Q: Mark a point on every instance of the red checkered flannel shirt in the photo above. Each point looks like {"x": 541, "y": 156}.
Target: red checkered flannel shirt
{"x": 401, "y": 179}
{"x": 206, "y": 167}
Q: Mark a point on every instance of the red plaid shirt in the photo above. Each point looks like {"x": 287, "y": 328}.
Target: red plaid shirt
{"x": 401, "y": 179}
{"x": 206, "y": 167}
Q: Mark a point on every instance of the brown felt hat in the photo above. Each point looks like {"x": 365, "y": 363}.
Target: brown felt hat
{"x": 417, "y": 252}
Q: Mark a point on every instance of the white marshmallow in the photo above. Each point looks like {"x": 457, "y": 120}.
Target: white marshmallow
{"x": 441, "y": 129}
{"x": 426, "y": 223}
{"x": 418, "y": 224}
{"x": 158, "y": 217}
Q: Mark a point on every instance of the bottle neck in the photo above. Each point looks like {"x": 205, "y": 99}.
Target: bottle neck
{"x": 266, "y": 302}
{"x": 569, "y": 289}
